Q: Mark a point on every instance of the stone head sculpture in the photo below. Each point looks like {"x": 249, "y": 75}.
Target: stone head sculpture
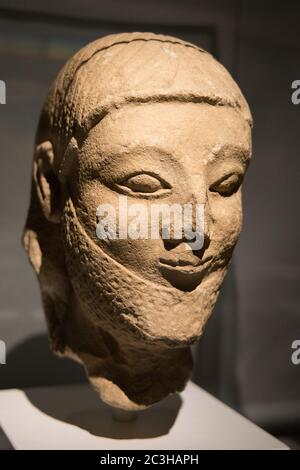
{"x": 135, "y": 119}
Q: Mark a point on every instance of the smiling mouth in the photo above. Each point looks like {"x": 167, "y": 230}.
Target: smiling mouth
{"x": 182, "y": 274}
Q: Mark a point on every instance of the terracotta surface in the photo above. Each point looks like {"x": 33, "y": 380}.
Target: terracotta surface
{"x": 154, "y": 119}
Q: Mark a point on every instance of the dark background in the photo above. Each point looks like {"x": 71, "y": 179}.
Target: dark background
{"x": 244, "y": 357}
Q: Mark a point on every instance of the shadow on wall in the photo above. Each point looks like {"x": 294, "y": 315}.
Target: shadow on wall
{"x": 32, "y": 364}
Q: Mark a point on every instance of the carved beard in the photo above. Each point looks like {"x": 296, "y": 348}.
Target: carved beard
{"x": 137, "y": 310}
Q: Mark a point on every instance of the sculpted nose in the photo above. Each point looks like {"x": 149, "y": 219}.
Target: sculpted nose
{"x": 199, "y": 198}
{"x": 196, "y": 220}
{"x": 197, "y": 229}
{"x": 171, "y": 243}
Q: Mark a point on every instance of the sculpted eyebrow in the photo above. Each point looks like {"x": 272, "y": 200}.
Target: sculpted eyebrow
{"x": 135, "y": 150}
{"x": 230, "y": 151}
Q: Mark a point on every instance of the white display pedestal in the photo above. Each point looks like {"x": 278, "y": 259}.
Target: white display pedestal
{"x": 73, "y": 417}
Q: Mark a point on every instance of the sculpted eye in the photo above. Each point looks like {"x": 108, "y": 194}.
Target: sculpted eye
{"x": 227, "y": 185}
{"x": 144, "y": 184}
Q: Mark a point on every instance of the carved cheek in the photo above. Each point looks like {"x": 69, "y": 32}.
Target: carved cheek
{"x": 226, "y": 216}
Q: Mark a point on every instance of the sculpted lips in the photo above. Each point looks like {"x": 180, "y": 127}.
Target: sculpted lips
{"x": 183, "y": 265}
{"x": 183, "y": 271}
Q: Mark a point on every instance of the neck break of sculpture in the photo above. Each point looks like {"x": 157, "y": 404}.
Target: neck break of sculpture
{"x": 151, "y": 119}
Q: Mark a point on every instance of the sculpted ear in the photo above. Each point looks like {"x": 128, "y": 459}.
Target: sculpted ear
{"x": 47, "y": 183}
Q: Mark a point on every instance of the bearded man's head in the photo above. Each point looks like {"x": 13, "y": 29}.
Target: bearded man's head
{"x": 150, "y": 119}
